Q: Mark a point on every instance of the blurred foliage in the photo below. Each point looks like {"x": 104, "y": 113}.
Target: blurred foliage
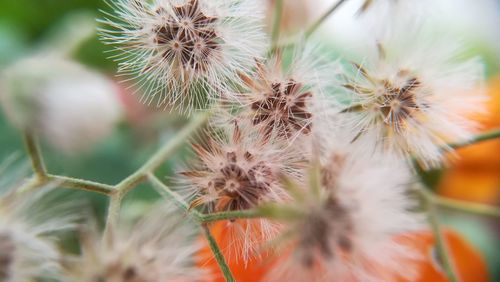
{"x": 24, "y": 24}
{"x": 34, "y": 18}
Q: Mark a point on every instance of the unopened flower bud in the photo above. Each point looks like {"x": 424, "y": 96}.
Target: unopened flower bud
{"x": 70, "y": 106}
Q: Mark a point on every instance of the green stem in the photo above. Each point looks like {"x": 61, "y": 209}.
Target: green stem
{"x": 278, "y": 13}
{"x": 30, "y": 185}
{"x": 467, "y": 207}
{"x": 203, "y": 218}
{"x": 494, "y": 134}
{"x": 35, "y": 155}
{"x": 218, "y": 255}
{"x": 165, "y": 191}
{"x": 66, "y": 182}
{"x": 441, "y": 247}
{"x": 246, "y": 214}
{"x": 325, "y": 16}
{"x": 80, "y": 184}
{"x": 115, "y": 201}
{"x": 162, "y": 154}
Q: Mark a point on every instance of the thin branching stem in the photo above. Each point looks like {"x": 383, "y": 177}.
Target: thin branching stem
{"x": 35, "y": 155}
{"x": 115, "y": 202}
{"x": 163, "y": 153}
{"x": 164, "y": 190}
{"x": 168, "y": 193}
{"x": 219, "y": 257}
{"x": 278, "y": 13}
{"x": 30, "y": 185}
{"x": 463, "y": 206}
{"x": 230, "y": 215}
{"x": 81, "y": 184}
{"x": 322, "y": 19}
{"x": 66, "y": 182}
{"x": 441, "y": 247}
{"x": 494, "y": 134}
{"x": 141, "y": 175}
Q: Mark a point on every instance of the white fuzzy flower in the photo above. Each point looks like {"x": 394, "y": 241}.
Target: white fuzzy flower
{"x": 160, "y": 247}
{"x": 239, "y": 169}
{"x": 184, "y": 50}
{"x": 28, "y": 250}
{"x": 412, "y": 95}
{"x": 343, "y": 221}
{"x": 286, "y": 100}
{"x": 72, "y": 107}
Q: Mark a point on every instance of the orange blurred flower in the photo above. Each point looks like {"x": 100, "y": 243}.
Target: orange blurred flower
{"x": 468, "y": 263}
{"x": 254, "y": 270}
{"x": 476, "y": 174}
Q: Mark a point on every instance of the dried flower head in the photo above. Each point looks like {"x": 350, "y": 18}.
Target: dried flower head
{"x": 28, "y": 222}
{"x": 341, "y": 223}
{"x": 70, "y": 106}
{"x": 239, "y": 169}
{"x": 182, "y": 50}
{"x": 285, "y": 102}
{"x": 160, "y": 247}
{"x": 412, "y": 98}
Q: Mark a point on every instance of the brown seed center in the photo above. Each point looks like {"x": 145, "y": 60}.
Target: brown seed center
{"x": 243, "y": 188}
{"x": 400, "y": 103}
{"x": 284, "y": 109}
{"x": 190, "y": 31}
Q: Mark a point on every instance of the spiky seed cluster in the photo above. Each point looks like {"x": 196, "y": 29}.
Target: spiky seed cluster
{"x": 188, "y": 36}
{"x": 281, "y": 103}
{"x": 157, "y": 248}
{"x": 184, "y": 50}
{"x": 399, "y": 102}
{"x": 238, "y": 171}
{"x": 284, "y": 108}
{"x": 394, "y": 103}
{"x": 414, "y": 108}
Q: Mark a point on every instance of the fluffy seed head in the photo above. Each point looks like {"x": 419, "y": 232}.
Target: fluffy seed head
{"x": 412, "y": 100}
{"x": 183, "y": 49}
{"x": 160, "y": 247}
{"x": 341, "y": 223}
{"x": 285, "y": 101}
{"x": 28, "y": 250}
{"x": 239, "y": 169}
